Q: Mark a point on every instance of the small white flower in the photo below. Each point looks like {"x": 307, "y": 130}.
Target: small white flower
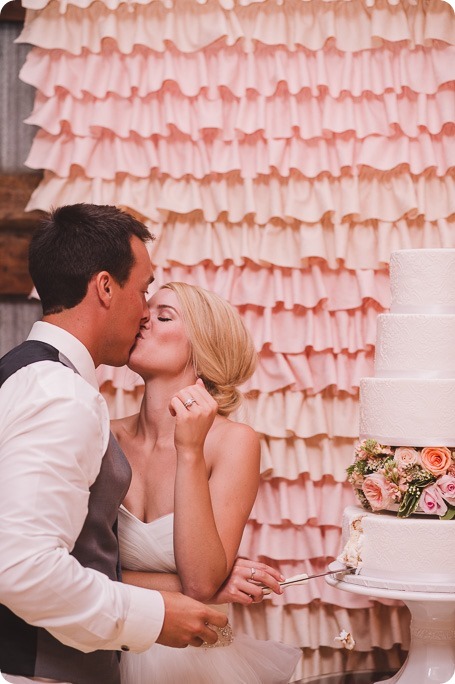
{"x": 346, "y": 639}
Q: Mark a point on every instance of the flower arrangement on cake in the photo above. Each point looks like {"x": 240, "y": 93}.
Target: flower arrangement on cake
{"x": 404, "y": 479}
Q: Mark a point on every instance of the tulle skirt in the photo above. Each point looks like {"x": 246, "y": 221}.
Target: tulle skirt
{"x": 244, "y": 661}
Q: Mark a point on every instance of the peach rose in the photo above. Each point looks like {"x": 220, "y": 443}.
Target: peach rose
{"x": 431, "y": 501}
{"x": 436, "y": 460}
{"x": 446, "y": 484}
{"x": 377, "y": 491}
{"x": 405, "y": 456}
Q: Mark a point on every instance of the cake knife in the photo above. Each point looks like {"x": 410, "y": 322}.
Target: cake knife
{"x": 301, "y": 579}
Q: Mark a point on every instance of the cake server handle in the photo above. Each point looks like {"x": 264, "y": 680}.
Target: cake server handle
{"x": 301, "y": 579}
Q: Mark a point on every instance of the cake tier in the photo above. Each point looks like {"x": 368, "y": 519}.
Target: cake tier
{"x": 408, "y": 412}
{"x": 415, "y": 345}
{"x": 422, "y": 281}
{"x": 418, "y": 549}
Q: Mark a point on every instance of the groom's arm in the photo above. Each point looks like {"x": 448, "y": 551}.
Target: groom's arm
{"x": 50, "y": 454}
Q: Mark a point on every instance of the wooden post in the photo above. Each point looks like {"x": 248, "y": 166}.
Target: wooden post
{"x": 16, "y": 230}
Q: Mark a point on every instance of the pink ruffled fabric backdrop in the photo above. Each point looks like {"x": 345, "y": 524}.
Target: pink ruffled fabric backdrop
{"x": 279, "y": 151}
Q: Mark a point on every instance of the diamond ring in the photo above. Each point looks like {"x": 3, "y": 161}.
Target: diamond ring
{"x": 189, "y": 402}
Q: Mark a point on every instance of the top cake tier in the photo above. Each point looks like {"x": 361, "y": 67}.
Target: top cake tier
{"x": 423, "y": 281}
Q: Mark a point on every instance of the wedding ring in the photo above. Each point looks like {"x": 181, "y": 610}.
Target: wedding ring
{"x": 253, "y": 572}
{"x": 189, "y": 402}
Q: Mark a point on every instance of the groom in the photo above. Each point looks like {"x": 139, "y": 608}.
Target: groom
{"x": 64, "y": 615}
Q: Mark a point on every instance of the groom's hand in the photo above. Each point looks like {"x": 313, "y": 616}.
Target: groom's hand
{"x": 186, "y": 622}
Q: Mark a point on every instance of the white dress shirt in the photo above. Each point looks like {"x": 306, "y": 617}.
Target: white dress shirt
{"x": 54, "y": 430}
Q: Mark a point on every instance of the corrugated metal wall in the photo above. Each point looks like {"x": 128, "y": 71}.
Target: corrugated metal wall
{"x": 16, "y": 102}
{"x": 16, "y": 319}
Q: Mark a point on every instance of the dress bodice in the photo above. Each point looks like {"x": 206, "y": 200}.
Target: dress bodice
{"x": 146, "y": 546}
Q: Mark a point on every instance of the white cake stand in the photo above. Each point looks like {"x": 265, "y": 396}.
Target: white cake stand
{"x": 431, "y": 657}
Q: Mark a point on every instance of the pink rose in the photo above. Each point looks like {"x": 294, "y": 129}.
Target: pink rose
{"x": 377, "y": 491}
{"x": 431, "y": 501}
{"x": 405, "y": 456}
{"x": 446, "y": 484}
{"x": 436, "y": 460}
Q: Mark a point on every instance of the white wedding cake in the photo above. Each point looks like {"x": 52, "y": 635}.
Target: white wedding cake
{"x": 412, "y": 396}
{"x": 404, "y": 469}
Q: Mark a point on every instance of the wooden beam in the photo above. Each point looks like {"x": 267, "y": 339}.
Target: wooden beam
{"x": 14, "y": 276}
{"x": 16, "y": 230}
{"x": 13, "y": 11}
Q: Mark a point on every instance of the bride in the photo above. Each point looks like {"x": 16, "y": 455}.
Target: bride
{"x": 195, "y": 479}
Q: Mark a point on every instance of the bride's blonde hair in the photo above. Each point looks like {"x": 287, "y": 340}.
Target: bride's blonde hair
{"x": 222, "y": 349}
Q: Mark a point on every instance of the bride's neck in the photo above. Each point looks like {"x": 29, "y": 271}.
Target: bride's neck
{"x": 155, "y": 419}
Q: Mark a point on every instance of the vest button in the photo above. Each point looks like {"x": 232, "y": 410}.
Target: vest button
{"x": 125, "y": 648}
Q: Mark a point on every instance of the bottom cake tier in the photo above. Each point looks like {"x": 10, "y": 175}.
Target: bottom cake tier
{"x": 416, "y": 550}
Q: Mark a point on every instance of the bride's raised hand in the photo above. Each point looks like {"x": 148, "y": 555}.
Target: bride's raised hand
{"x": 195, "y": 410}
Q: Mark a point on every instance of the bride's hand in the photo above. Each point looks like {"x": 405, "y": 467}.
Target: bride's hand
{"x": 195, "y": 410}
{"x": 244, "y": 584}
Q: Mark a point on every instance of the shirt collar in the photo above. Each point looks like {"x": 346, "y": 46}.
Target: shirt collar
{"x": 68, "y": 345}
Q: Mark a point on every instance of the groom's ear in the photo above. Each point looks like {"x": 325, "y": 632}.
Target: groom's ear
{"x": 103, "y": 285}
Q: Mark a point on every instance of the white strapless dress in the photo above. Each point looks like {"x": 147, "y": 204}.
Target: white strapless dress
{"x": 238, "y": 659}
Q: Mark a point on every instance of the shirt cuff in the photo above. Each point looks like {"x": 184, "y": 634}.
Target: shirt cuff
{"x": 144, "y": 621}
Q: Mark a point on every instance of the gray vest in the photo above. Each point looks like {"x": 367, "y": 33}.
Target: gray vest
{"x": 31, "y": 651}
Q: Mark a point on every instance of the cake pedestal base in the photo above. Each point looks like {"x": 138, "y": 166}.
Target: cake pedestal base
{"x": 431, "y": 657}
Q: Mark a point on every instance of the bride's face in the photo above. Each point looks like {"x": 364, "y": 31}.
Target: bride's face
{"x": 162, "y": 346}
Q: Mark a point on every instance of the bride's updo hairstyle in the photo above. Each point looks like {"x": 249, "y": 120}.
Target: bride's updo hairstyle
{"x": 223, "y": 353}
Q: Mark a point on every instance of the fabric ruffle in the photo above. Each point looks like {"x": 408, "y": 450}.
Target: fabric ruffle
{"x": 121, "y": 402}
{"x": 383, "y": 196}
{"x": 316, "y": 285}
{"x": 352, "y": 25}
{"x": 311, "y": 371}
{"x": 295, "y": 331}
{"x": 225, "y": 4}
{"x": 120, "y": 378}
{"x": 297, "y": 245}
{"x": 314, "y": 626}
{"x": 214, "y": 72}
{"x": 357, "y": 245}
{"x": 289, "y": 458}
{"x": 110, "y": 4}
{"x": 277, "y": 118}
{"x": 250, "y": 157}
{"x": 285, "y": 414}
{"x": 311, "y": 548}
{"x": 302, "y": 502}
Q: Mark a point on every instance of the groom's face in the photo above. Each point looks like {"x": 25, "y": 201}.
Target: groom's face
{"x": 129, "y": 305}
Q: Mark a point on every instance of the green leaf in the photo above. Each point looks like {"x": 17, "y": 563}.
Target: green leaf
{"x": 408, "y": 504}
{"x": 450, "y": 515}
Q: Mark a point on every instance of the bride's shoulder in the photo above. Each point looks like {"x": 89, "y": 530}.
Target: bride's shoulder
{"x": 227, "y": 433}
